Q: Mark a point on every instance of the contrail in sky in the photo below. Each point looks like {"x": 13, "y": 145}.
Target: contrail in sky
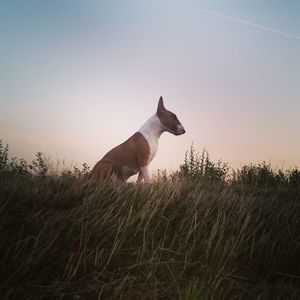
{"x": 251, "y": 24}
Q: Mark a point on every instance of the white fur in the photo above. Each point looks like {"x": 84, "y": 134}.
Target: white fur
{"x": 152, "y": 131}
{"x": 145, "y": 174}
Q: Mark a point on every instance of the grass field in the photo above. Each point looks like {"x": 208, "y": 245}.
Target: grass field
{"x": 186, "y": 236}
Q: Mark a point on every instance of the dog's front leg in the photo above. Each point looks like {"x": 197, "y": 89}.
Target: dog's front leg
{"x": 145, "y": 174}
{"x": 140, "y": 177}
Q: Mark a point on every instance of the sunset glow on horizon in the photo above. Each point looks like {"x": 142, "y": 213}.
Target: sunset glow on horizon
{"x": 80, "y": 77}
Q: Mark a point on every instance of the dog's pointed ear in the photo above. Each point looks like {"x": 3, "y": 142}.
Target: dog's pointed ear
{"x": 160, "y": 106}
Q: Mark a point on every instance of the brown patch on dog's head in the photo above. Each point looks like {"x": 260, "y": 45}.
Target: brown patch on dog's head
{"x": 169, "y": 119}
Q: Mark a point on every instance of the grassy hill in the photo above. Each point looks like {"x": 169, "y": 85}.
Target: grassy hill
{"x": 196, "y": 234}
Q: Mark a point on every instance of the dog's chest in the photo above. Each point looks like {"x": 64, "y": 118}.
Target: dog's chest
{"x": 153, "y": 146}
{"x": 152, "y": 131}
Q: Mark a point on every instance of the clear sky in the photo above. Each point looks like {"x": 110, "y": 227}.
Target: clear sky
{"x": 79, "y": 77}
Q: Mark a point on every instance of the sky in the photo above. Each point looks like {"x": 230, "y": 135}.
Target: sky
{"x": 79, "y": 77}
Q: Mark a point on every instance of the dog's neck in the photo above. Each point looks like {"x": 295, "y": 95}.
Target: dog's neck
{"x": 152, "y": 131}
{"x": 153, "y": 128}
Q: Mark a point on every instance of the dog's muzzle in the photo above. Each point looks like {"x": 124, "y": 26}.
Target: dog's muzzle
{"x": 180, "y": 130}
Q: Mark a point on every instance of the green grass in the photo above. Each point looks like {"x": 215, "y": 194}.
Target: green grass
{"x": 199, "y": 233}
{"x": 180, "y": 238}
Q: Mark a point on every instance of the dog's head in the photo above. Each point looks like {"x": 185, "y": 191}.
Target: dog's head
{"x": 169, "y": 119}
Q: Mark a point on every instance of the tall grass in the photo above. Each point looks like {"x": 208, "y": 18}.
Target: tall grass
{"x": 184, "y": 237}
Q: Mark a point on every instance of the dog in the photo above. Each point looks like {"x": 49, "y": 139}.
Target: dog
{"x": 135, "y": 154}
